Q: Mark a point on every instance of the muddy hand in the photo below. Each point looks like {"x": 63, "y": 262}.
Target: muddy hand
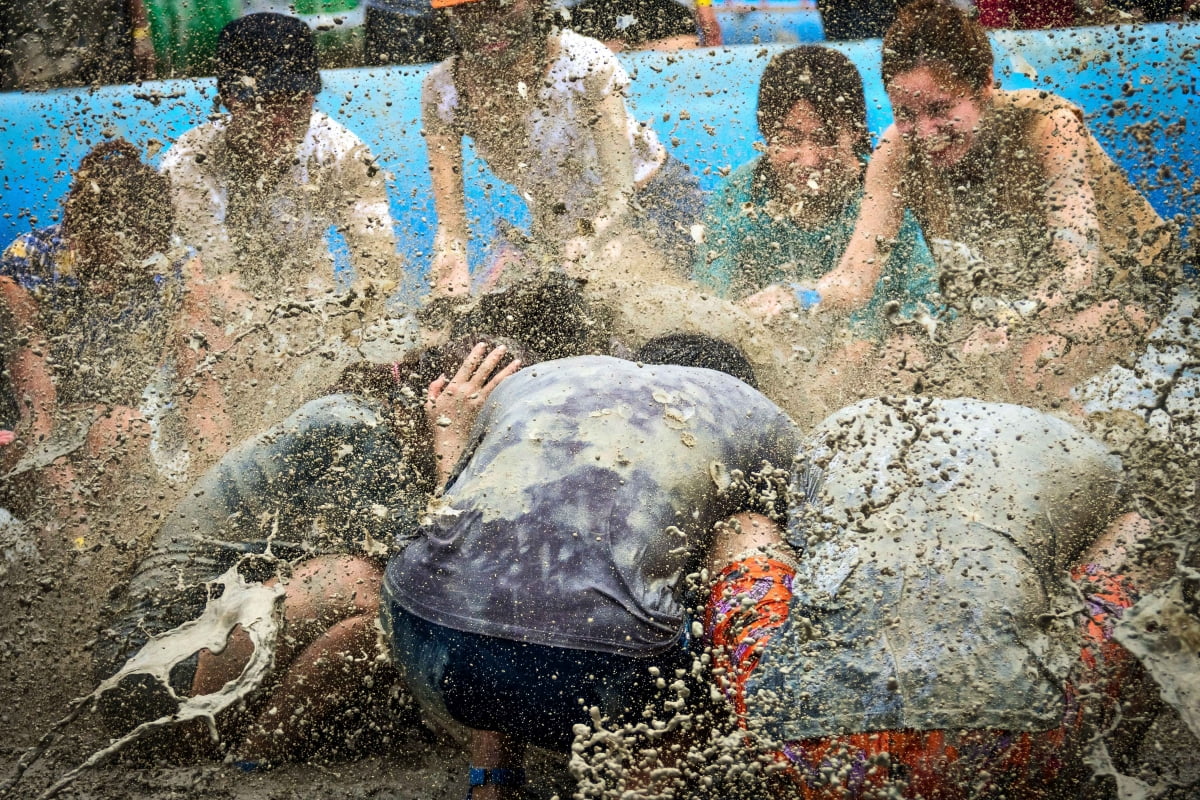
{"x": 452, "y": 404}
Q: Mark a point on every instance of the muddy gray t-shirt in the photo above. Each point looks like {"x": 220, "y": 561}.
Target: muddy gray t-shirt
{"x": 331, "y": 478}
{"x": 592, "y": 488}
{"x": 932, "y": 591}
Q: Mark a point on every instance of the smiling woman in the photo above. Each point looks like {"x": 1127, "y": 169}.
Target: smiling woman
{"x": 785, "y": 218}
{"x": 1041, "y": 242}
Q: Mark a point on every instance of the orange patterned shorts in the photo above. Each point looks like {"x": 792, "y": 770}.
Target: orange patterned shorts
{"x": 749, "y": 602}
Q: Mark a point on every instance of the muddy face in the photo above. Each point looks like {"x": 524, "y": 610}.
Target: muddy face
{"x": 937, "y": 112}
{"x": 265, "y": 130}
{"x": 811, "y": 157}
{"x": 496, "y": 30}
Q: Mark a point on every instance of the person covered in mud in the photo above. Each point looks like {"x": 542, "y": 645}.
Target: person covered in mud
{"x": 546, "y": 110}
{"x": 549, "y": 578}
{"x": 1042, "y": 243}
{"x": 88, "y": 305}
{"x": 918, "y": 629}
{"x": 257, "y": 189}
{"x": 784, "y": 219}
{"x": 306, "y": 506}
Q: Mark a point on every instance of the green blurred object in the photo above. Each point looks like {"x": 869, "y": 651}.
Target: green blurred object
{"x": 306, "y": 7}
{"x": 184, "y": 33}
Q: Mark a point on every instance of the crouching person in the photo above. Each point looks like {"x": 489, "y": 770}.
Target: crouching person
{"x": 547, "y": 586}
{"x": 305, "y": 508}
{"x": 946, "y": 632}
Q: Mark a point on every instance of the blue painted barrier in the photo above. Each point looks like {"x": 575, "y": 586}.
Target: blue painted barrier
{"x": 1138, "y": 85}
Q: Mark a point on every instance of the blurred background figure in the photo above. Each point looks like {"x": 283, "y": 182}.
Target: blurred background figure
{"x": 258, "y": 191}
{"x": 68, "y": 42}
{"x": 857, "y": 19}
{"x": 1047, "y": 252}
{"x": 644, "y": 24}
{"x": 545, "y": 108}
{"x": 184, "y": 33}
{"x": 404, "y": 32}
{"x": 1026, "y": 13}
{"x": 88, "y": 306}
{"x": 786, "y": 217}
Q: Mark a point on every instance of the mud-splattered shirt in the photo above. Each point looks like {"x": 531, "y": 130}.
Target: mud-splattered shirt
{"x": 331, "y": 478}
{"x": 104, "y": 344}
{"x": 273, "y": 232}
{"x": 591, "y": 488}
{"x": 933, "y": 590}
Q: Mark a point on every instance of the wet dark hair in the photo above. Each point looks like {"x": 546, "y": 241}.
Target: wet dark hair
{"x": 266, "y": 54}
{"x": 931, "y": 33}
{"x": 114, "y": 191}
{"x": 697, "y": 350}
{"x": 546, "y": 314}
{"x": 820, "y": 76}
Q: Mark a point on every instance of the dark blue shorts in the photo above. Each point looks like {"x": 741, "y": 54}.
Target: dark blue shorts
{"x": 535, "y": 693}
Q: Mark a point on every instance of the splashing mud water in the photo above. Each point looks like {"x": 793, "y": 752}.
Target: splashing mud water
{"x": 253, "y": 606}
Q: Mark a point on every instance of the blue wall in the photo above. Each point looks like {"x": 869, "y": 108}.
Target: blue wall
{"x": 1137, "y": 84}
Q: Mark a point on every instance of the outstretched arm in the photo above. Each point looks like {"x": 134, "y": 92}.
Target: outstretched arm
{"x": 26, "y": 361}
{"x": 367, "y": 226}
{"x": 1070, "y": 206}
{"x": 449, "y": 275}
{"x": 452, "y": 404}
{"x": 852, "y": 283}
{"x": 610, "y": 129}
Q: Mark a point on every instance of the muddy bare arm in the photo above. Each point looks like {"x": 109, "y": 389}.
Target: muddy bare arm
{"x": 449, "y": 274}
{"x": 26, "y": 361}
{"x": 851, "y": 284}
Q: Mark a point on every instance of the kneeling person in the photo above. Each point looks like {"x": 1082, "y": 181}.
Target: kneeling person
{"x": 304, "y": 507}
{"x": 930, "y": 642}
{"x": 549, "y": 580}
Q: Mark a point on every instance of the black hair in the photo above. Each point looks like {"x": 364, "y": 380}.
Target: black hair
{"x": 113, "y": 190}
{"x": 547, "y": 315}
{"x": 264, "y": 54}
{"x": 697, "y": 350}
{"x": 822, "y": 77}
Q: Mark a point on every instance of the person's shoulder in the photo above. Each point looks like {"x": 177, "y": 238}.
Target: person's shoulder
{"x": 327, "y": 136}
{"x": 340, "y": 413}
{"x": 439, "y": 81}
{"x": 576, "y": 44}
{"x": 581, "y": 58}
{"x": 742, "y": 180}
{"x": 32, "y": 253}
{"x": 199, "y": 140}
{"x": 1029, "y": 99}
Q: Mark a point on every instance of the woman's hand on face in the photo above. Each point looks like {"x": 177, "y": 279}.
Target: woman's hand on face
{"x": 452, "y": 404}
{"x": 770, "y": 302}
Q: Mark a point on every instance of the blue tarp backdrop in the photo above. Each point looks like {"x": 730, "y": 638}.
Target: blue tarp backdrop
{"x": 1137, "y": 84}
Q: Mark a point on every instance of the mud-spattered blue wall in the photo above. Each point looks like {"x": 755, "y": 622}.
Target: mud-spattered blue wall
{"x": 1138, "y": 85}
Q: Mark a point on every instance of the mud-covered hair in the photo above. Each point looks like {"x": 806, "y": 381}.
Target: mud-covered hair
{"x": 113, "y": 190}
{"x": 547, "y": 314}
{"x": 935, "y": 34}
{"x": 822, "y": 77}
{"x": 697, "y": 350}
